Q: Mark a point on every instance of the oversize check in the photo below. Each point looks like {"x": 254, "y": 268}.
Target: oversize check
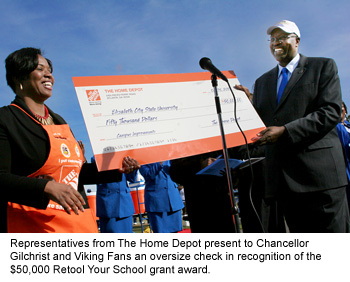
{"x": 160, "y": 117}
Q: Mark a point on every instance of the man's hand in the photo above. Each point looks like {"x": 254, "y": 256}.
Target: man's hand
{"x": 269, "y": 135}
{"x": 246, "y": 91}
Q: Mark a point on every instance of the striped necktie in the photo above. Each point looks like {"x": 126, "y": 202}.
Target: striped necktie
{"x": 283, "y": 84}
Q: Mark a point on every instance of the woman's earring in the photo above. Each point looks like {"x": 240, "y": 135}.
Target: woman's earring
{"x": 21, "y": 86}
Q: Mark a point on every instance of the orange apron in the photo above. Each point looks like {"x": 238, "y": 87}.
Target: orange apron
{"x": 63, "y": 165}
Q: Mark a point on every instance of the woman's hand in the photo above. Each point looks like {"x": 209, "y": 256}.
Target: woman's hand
{"x": 129, "y": 165}
{"x": 66, "y": 196}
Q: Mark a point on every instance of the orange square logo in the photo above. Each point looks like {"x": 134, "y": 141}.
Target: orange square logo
{"x": 93, "y": 95}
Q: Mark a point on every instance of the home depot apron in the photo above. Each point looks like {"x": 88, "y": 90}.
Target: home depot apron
{"x": 63, "y": 165}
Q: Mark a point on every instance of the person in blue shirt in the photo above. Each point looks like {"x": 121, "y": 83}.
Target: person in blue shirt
{"x": 343, "y": 129}
{"x": 162, "y": 198}
{"x": 114, "y": 205}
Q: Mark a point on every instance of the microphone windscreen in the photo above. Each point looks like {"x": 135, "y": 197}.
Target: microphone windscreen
{"x": 204, "y": 62}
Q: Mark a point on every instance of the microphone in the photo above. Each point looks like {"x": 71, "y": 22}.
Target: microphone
{"x": 206, "y": 64}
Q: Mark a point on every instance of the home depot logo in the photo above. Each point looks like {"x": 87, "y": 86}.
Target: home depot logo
{"x": 93, "y": 97}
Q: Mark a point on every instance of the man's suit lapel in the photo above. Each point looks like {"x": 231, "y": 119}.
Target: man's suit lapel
{"x": 297, "y": 74}
{"x": 272, "y": 88}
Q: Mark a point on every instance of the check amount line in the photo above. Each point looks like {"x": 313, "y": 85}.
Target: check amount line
{"x": 164, "y": 119}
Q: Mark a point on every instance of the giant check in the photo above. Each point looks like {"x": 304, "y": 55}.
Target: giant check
{"x": 160, "y": 117}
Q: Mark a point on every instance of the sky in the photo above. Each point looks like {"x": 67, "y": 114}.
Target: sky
{"x": 133, "y": 37}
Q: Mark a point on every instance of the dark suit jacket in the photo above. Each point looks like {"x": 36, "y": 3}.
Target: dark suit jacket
{"x": 308, "y": 157}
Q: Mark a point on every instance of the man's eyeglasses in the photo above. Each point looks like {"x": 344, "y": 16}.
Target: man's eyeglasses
{"x": 281, "y": 38}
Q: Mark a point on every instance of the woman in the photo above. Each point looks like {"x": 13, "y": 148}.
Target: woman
{"x": 40, "y": 160}
{"x": 162, "y": 198}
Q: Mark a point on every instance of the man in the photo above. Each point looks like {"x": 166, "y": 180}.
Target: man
{"x": 305, "y": 170}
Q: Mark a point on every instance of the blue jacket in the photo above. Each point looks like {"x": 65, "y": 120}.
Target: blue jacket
{"x": 113, "y": 200}
{"x": 161, "y": 193}
{"x": 344, "y": 137}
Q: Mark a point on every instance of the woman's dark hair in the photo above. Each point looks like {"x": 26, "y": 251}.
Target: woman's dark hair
{"x": 20, "y": 64}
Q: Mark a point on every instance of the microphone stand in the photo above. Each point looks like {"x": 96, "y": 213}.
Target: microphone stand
{"x": 226, "y": 157}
